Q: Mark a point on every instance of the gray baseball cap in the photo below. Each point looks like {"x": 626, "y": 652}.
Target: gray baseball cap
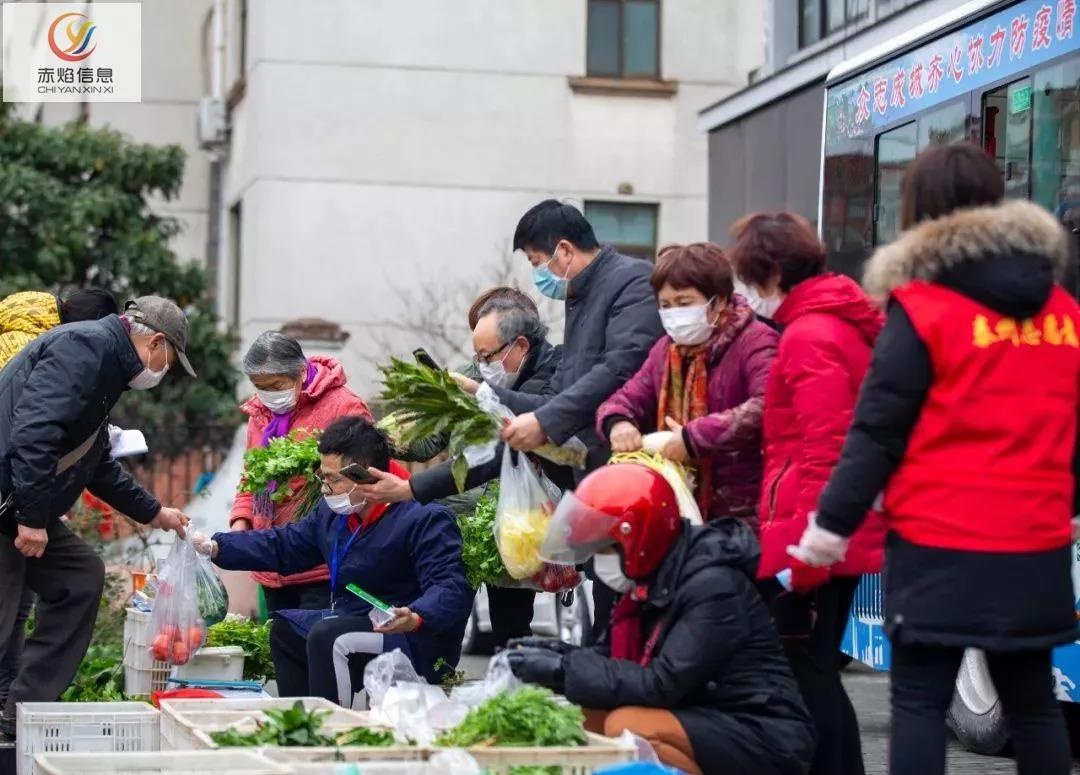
{"x": 165, "y": 317}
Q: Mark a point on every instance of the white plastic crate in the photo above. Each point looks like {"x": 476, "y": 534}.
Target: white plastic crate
{"x": 84, "y": 727}
{"x": 181, "y": 719}
{"x": 597, "y": 753}
{"x": 215, "y": 663}
{"x": 143, "y": 675}
{"x": 185, "y": 763}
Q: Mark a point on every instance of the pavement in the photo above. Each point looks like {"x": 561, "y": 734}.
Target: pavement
{"x": 869, "y": 692}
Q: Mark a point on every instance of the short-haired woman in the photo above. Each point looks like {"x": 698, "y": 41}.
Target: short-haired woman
{"x": 704, "y": 380}
{"x": 967, "y": 423}
{"x": 292, "y": 392}
{"x": 829, "y": 327}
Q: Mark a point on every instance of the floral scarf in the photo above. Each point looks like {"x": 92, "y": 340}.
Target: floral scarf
{"x": 684, "y": 396}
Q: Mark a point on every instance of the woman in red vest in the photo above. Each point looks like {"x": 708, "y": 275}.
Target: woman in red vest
{"x": 828, "y": 331}
{"x": 967, "y": 424}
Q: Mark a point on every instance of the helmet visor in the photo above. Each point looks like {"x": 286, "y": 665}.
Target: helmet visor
{"x": 576, "y": 532}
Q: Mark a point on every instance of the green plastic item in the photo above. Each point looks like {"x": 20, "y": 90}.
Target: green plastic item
{"x": 370, "y": 599}
{"x": 264, "y": 613}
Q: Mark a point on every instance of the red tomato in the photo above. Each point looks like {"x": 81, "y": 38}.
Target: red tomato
{"x": 180, "y": 653}
{"x": 170, "y": 632}
{"x": 160, "y": 649}
{"x": 195, "y": 636}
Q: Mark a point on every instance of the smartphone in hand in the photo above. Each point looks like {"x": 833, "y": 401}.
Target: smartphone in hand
{"x": 424, "y": 359}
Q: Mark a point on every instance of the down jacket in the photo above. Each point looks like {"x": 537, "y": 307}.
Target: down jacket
{"x": 326, "y": 399}
{"x": 55, "y": 397}
{"x": 24, "y": 317}
{"x": 829, "y": 330}
{"x": 1004, "y": 258}
{"x": 739, "y": 357}
{"x": 410, "y": 556}
{"x": 718, "y": 664}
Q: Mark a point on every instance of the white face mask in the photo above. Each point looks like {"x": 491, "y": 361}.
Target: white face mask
{"x": 765, "y": 308}
{"x": 342, "y": 504}
{"x": 495, "y": 374}
{"x": 278, "y": 401}
{"x": 687, "y": 325}
{"x": 148, "y": 379}
{"x": 608, "y": 569}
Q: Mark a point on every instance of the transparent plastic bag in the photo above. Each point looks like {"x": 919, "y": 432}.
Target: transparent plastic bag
{"x": 522, "y": 517}
{"x": 398, "y": 697}
{"x": 177, "y": 628}
{"x": 213, "y": 598}
{"x": 572, "y": 453}
{"x": 386, "y": 670}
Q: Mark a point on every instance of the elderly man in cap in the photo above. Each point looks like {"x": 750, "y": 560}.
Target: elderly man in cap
{"x": 55, "y": 399}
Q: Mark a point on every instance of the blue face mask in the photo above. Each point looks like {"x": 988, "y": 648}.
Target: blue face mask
{"x": 548, "y": 283}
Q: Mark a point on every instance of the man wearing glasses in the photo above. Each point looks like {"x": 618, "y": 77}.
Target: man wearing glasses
{"x": 407, "y": 557}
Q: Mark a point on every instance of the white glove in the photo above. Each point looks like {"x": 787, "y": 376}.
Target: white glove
{"x": 818, "y": 547}
{"x": 204, "y": 544}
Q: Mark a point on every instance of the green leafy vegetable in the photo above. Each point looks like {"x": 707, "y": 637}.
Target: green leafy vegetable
{"x": 528, "y": 716}
{"x": 100, "y": 677}
{"x": 426, "y": 402}
{"x": 298, "y": 727}
{"x": 269, "y": 470}
{"x": 253, "y": 638}
{"x": 479, "y": 553}
{"x": 452, "y": 678}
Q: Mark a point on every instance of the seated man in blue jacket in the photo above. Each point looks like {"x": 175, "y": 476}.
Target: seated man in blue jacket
{"x": 406, "y": 555}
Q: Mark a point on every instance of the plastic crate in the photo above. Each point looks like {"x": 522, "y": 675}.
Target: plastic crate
{"x": 143, "y": 675}
{"x": 84, "y": 727}
{"x": 181, "y": 719}
{"x": 216, "y": 663}
{"x": 185, "y": 763}
{"x": 597, "y": 753}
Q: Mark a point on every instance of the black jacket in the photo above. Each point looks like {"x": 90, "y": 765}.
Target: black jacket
{"x": 55, "y": 395}
{"x": 533, "y": 379}
{"x": 1006, "y": 258}
{"x": 611, "y": 324}
{"x": 718, "y": 664}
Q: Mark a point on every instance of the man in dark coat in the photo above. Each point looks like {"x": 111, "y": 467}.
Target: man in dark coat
{"x": 407, "y": 556}
{"x": 612, "y": 322}
{"x": 511, "y": 349}
{"x": 692, "y": 661}
{"x": 55, "y": 399}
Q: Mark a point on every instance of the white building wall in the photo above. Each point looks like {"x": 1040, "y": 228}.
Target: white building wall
{"x": 393, "y": 143}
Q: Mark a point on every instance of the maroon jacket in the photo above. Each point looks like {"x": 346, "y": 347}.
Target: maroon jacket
{"x": 830, "y": 327}
{"x": 739, "y": 358}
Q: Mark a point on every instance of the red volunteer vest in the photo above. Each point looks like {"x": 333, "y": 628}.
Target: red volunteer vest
{"x": 989, "y": 464}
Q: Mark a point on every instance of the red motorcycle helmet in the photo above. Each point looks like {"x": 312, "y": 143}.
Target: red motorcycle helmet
{"x": 626, "y": 505}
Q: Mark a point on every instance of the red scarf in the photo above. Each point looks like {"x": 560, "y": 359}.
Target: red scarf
{"x": 628, "y": 632}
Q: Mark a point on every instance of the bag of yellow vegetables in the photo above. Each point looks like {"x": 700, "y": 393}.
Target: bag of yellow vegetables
{"x": 521, "y": 520}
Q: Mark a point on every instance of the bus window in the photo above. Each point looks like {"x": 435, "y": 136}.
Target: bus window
{"x": 895, "y": 150}
{"x": 943, "y": 126}
{"x": 1007, "y": 134}
{"x": 1055, "y": 151}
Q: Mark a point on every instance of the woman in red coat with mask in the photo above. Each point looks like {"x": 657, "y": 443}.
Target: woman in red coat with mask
{"x": 828, "y": 327}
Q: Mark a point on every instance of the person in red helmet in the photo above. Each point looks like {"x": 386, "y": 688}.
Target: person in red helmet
{"x": 691, "y": 660}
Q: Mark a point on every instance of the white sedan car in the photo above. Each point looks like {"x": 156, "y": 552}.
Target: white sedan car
{"x": 550, "y": 619}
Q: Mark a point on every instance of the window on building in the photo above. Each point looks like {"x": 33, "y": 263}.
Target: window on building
{"x": 623, "y": 39}
{"x": 820, "y": 18}
{"x": 629, "y": 228}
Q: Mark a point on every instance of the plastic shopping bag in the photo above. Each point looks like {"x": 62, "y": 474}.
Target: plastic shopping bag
{"x": 213, "y": 599}
{"x": 572, "y": 453}
{"x": 177, "y": 628}
{"x": 522, "y": 516}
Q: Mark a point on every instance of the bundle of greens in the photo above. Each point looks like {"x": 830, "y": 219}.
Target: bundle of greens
{"x": 269, "y": 471}
{"x": 677, "y": 475}
{"x": 529, "y": 717}
{"x": 479, "y": 553}
{"x": 252, "y": 637}
{"x": 427, "y": 402}
{"x": 100, "y": 677}
{"x": 299, "y": 727}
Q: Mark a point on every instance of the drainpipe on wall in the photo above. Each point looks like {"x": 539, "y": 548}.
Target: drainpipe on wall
{"x": 215, "y": 209}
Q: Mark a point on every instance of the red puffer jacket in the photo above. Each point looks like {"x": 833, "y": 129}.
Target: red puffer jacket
{"x": 326, "y": 399}
{"x": 829, "y": 330}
